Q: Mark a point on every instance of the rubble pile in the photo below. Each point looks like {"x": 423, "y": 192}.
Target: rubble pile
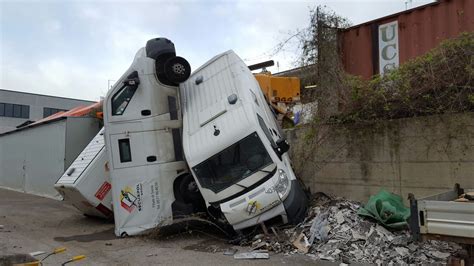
{"x": 333, "y": 231}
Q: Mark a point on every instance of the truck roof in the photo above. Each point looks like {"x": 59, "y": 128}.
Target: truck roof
{"x": 210, "y": 122}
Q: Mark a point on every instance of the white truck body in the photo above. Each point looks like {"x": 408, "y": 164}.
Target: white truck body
{"x": 86, "y": 184}
{"x": 143, "y": 140}
{"x": 226, "y": 122}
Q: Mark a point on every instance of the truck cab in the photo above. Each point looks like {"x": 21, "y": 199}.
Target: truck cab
{"x": 234, "y": 147}
{"x": 142, "y": 122}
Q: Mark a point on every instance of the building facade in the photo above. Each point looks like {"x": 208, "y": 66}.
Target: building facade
{"x": 16, "y": 107}
{"x": 33, "y": 158}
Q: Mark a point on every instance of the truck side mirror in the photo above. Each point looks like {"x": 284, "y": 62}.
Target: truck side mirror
{"x": 282, "y": 146}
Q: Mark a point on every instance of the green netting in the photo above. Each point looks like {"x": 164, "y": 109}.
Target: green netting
{"x": 388, "y": 209}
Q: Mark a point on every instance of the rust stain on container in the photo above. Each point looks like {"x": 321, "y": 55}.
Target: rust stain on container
{"x": 419, "y": 30}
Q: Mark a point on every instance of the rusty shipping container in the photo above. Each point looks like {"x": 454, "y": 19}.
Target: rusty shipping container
{"x": 379, "y": 45}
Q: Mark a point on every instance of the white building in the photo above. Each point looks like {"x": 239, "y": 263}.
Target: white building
{"x": 17, "y": 107}
{"x": 34, "y": 157}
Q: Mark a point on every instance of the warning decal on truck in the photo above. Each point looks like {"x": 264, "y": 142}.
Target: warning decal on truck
{"x": 103, "y": 190}
{"x": 127, "y": 199}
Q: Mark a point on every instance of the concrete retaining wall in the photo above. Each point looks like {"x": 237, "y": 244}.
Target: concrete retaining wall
{"x": 423, "y": 155}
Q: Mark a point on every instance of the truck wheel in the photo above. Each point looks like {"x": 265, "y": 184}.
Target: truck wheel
{"x": 177, "y": 69}
{"x": 189, "y": 189}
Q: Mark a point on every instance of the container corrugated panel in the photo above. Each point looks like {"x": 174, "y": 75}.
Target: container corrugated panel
{"x": 84, "y": 159}
{"x": 420, "y": 29}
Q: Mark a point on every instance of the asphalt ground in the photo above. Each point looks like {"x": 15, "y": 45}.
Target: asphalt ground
{"x": 31, "y": 223}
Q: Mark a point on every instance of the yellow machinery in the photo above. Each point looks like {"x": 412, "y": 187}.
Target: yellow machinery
{"x": 279, "y": 89}
{"x": 282, "y": 93}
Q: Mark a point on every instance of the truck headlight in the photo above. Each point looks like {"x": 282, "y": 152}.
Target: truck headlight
{"x": 282, "y": 185}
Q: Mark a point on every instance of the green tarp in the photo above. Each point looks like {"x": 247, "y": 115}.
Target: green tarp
{"x": 388, "y": 209}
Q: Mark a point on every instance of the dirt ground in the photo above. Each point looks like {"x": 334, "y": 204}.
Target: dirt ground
{"x": 32, "y": 223}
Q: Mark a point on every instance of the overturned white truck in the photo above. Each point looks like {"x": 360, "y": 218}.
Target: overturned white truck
{"x": 240, "y": 172}
{"x": 234, "y": 147}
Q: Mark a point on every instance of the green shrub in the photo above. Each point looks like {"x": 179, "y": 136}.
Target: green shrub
{"x": 441, "y": 81}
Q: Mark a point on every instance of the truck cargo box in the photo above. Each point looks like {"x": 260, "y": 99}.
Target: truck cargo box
{"x": 442, "y": 217}
{"x": 85, "y": 184}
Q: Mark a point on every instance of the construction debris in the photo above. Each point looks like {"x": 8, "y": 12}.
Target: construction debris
{"x": 230, "y": 252}
{"x": 466, "y": 197}
{"x": 251, "y": 255}
{"x": 333, "y": 231}
{"x": 37, "y": 253}
{"x": 301, "y": 243}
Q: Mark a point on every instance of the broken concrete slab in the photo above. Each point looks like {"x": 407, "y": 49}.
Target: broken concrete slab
{"x": 337, "y": 233}
{"x": 301, "y": 243}
{"x": 251, "y": 255}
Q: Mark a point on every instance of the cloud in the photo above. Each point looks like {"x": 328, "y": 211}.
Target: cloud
{"x": 52, "y": 26}
{"x": 67, "y": 79}
{"x": 72, "y": 49}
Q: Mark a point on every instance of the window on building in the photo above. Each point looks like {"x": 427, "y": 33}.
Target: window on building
{"x": 17, "y": 111}
{"x": 47, "y": 111}
{"x": 14, "y": 110}
{"x": 25, "y": 111}
{"x": 9, "y": 110}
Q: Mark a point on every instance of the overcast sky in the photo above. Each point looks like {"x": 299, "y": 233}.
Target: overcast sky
{"x": 73, "y": 48}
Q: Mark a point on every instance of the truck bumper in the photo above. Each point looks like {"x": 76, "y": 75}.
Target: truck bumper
{"x": 292, "y": 209}
{"x": 278, "y": 210}
{"x": 296, "y": 203}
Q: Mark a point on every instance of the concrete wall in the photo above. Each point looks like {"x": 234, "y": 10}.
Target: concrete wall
{"x": 33, "y": 159}
{"x": 36, "y": 102}
{"x": 423, "y": 155}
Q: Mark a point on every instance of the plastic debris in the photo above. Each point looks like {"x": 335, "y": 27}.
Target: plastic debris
{"x": 388, "y": 209}
{"x": 319, "y": 228}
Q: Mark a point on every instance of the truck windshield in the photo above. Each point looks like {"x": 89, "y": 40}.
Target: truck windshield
{"x": 233, "y": 164}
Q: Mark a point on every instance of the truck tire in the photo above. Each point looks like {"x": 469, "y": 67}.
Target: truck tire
{"x": 189, "y": 190}
{"x": 177, "y": 69}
